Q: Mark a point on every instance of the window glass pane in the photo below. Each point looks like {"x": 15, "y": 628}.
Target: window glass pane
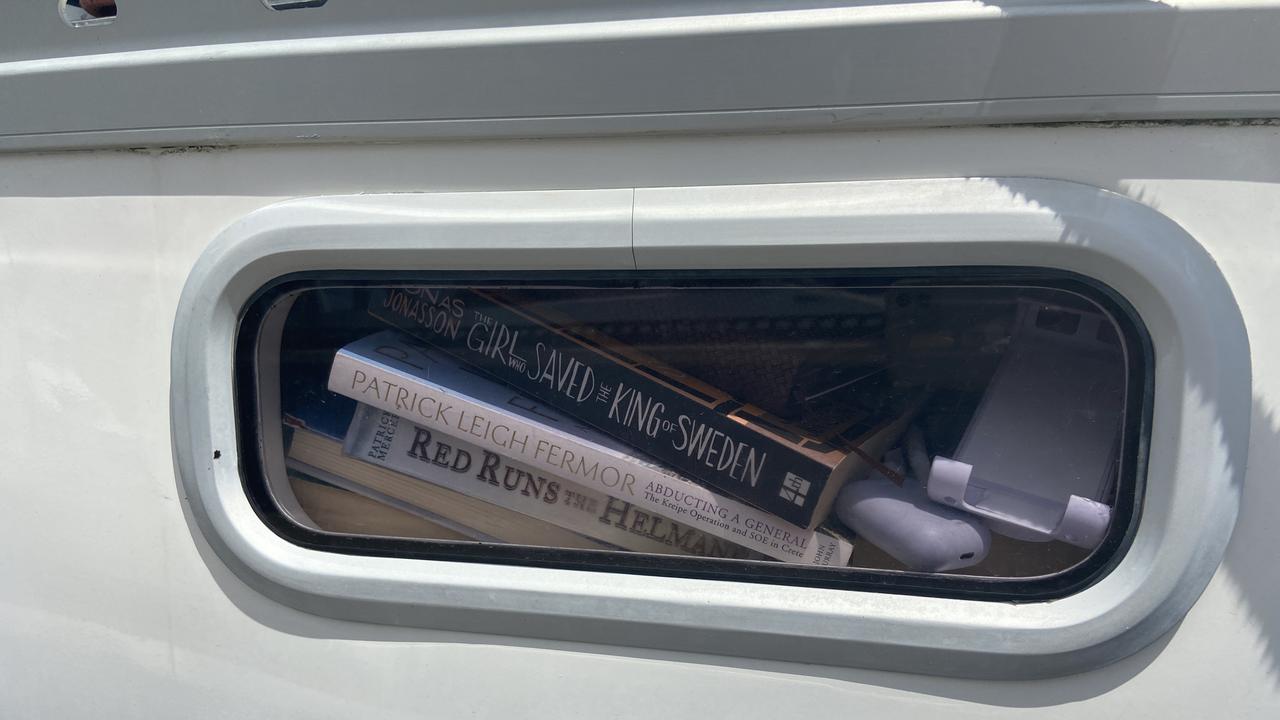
{"x": 915, "y": 433}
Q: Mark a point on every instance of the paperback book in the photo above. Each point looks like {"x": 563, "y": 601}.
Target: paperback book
{"x": 391, "y": 372}
{"x": 322, "y": 457}
{"x": 693, "y": 428}
{"x": 333, "y": 508}
{"x": 781, "y": 351}
{"x": 395, "y": 443}
{"x": 316, "y": 424}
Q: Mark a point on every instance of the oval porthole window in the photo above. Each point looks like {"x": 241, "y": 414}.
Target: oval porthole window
{"x": 968, "y": 433}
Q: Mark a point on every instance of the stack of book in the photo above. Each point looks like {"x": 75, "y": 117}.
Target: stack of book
{"x": 522, "y": 418}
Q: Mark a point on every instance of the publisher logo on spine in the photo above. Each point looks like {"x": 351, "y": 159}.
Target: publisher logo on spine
{"x": 795, "y": 489}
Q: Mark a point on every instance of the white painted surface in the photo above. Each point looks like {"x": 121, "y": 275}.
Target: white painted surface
{"x": 108, "y": 607}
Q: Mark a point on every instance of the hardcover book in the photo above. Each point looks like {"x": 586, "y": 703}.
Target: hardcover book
{"x": 698, "y": 430}
{"x": 389, "y": 441}
{"x": 392, "y": 372}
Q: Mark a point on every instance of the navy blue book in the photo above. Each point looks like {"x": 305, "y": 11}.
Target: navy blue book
{"x": 305, "y": 403}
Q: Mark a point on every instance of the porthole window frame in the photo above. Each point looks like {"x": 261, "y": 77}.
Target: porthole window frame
{"x": 972, "y": 223}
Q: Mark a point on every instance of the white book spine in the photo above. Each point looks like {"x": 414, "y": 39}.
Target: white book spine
{"x": 555, "y": 452}
{"x": 387, "y": 440}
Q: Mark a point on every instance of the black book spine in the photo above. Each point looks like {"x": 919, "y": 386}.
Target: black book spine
{"x": 677, "y": 425}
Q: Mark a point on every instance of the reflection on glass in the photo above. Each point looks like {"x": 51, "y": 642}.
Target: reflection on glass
{"x": 943, "y": 429}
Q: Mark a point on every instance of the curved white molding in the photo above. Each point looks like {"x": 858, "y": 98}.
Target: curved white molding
{"x": 1198, "y": 438}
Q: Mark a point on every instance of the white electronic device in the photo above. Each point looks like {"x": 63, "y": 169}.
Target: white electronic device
{"x": 916, "y": 531}
{"x": 1038, "y": 459}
